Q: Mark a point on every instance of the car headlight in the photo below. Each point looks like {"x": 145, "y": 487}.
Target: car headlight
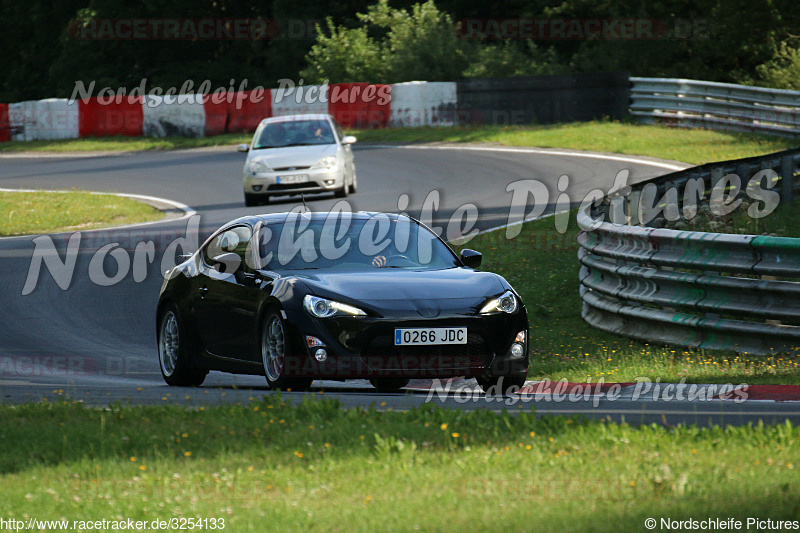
{"x": 324, "y": 308}
{"x": 257, "y": 167}
{"x": 325, "y": 162}
{"x": 505, "y": 303}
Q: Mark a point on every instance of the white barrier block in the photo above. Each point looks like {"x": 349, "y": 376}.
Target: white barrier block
{"x": 49, "y": 119}
{"x": 313, "y": 99}
{"x": 423, "y": 103}
{"x": 181, "y": 115}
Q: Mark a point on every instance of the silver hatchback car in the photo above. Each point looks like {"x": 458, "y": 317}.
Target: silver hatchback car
{"x": 298, "y": 154}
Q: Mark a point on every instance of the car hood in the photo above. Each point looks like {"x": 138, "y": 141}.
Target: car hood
{"x": 292, "y": 156}
{"x": 428, "y": 293}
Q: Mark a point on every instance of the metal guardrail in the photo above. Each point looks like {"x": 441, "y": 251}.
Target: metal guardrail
{"x": 715, "y": 105}
{"x": 704, "y": 290}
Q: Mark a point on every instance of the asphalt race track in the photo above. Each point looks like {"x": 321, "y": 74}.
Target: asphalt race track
{"x": 97, "y": 343}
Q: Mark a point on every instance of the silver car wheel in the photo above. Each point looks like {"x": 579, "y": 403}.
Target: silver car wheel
{"x": 273, "y": 348}
{"x": 169, "y": 343}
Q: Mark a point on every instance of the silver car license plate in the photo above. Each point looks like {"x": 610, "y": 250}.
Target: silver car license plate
{"x": 297, "y": 178}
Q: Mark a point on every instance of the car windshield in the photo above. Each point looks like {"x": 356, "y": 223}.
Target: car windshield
{"x": 344, "y": 243}
{"x": 294, "y": 133}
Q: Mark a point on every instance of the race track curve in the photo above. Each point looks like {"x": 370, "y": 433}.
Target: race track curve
{"x": 98, "y": 343}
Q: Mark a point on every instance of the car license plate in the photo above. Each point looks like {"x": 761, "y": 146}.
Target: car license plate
{"x": 422, "y": 336}
{"x": 298, "y": 178}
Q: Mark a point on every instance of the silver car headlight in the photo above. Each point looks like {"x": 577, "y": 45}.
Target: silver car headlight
{"x": 324, "y": 308}
{"x": 505, "y": 303}
{"x": 325, "y": 162}
{"x": 258, "y": 167}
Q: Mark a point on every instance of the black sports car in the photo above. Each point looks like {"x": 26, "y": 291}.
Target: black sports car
{"x": 298, "y": 296}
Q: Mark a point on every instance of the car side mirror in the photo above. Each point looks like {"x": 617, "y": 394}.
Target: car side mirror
{"x": 349, "y": 139}
{"x": 228, "y": 262}
{"x": 471, "y": 258}
{"x": 243, "y": 148}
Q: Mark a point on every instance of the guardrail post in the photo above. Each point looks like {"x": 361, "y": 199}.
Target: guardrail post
{"x": 616, "y": 211}
{"x": 787, "y": 180}
{"x": 744, "y": 171}
{"x": 633, "y": 208}
{"x": 716, "y": 175}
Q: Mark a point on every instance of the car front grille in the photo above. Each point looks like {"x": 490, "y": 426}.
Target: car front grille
{"x": 283, "y": 169}
{"x": 382, "y": 354}
{"x": 290, "y": 186}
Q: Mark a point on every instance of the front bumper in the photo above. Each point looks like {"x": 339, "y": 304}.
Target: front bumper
{"x": 363, "y": 347}
{"x": 269, "y": 183}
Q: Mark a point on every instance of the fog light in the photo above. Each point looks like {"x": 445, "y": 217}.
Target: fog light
{"x": 320, "y": 355}
{"x": 517, "y": 350}
{"x": 256, "y": 188}
{"x": 329, "y": 182}
{"x": 313, "y": 341}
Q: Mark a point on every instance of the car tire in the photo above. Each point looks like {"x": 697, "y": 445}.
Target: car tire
{"x": 502, "y": 385}
{"x": 354, "y": 185}
{"x": 176, "y": 350}
{"x": 341, "y": 193}
{"x": 251, "y": 200}
{"x": 389, "y": 384}
{"x": 276, "y": 346}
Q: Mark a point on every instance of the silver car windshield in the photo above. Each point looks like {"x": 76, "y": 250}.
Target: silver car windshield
{"x": 294, "y": 133}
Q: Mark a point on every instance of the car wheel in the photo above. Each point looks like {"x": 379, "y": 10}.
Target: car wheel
{"x": 502, "y": 385}
{"x": 354, "y": 185}
{"x": 175, "y": 351}
{"x": 342, "y": 193}
{"x": 389, "y": 384}
{"x": 251, "y": 200}
{"x": 276, "y": 346}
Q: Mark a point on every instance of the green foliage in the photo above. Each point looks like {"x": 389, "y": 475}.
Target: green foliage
{"x": 719, "y": 40}
{"x": 420, "y": 44}
{"x": 343, "y": 55}
{"x": 415, "y": 44}
{"x": 783, "y": 70}
{"x": 508, "y": 59}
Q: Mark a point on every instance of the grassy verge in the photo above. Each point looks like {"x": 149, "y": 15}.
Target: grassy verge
{"x": 542, "y": 265}
{"x": 691, "y": 146}
{"x": 24, "y": 213}
{"x": 274, "y": 467}
{"x": 123, "y": 144}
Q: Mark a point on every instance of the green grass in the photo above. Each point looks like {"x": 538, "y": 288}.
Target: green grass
{"x": 123, "y": 144}
{"x": 272, "y": 467}
{"x": 691, "y": 146}
{"x": 542, "y": 265}
{"x": 25, "y": 213}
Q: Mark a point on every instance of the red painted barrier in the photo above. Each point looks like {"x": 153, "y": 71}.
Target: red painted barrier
{"x": 248, "y": 109}
{"x": 117, "y": 118}
{"x": 359, "y": 105}
{"x": 236, "y": 112}
{"x": 216, "y": 116}
{"x": 5, "y": 126}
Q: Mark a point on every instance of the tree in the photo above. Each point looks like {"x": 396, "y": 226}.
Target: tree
{"x": 344, "y": 55}
{"x": 783, "y": 70}
{"x": 415, "y": 44}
